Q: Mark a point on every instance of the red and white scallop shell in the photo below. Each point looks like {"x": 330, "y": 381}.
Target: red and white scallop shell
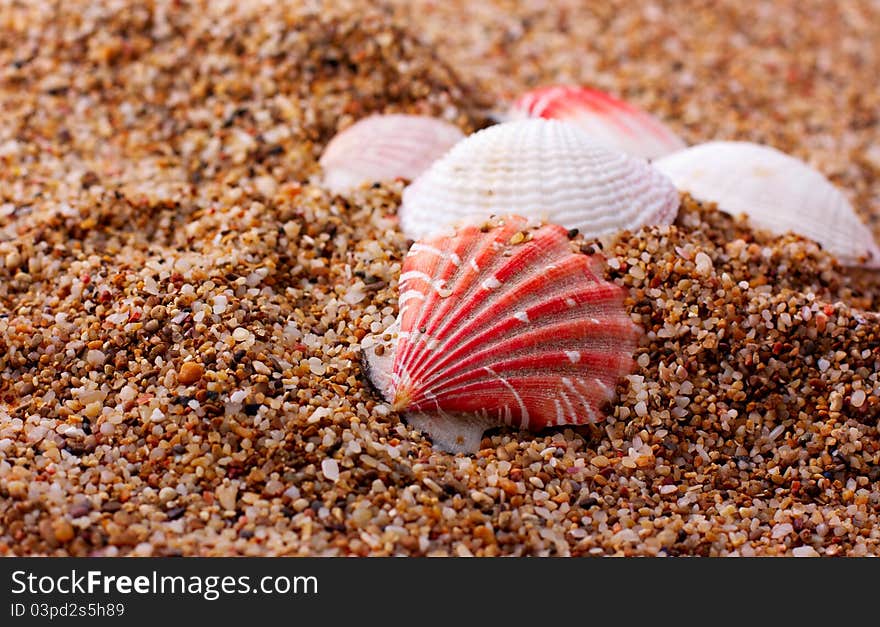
{"x": 607, "y": 120}
{"x": 384, "y": 148}
{"x": 777, "y": 192}
{"x": 501, "y": 323}
{"x": 542, "y": 169}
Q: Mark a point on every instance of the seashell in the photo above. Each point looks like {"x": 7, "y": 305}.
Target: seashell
{"x": 776, "y": 191}
{"x": 543, "y": 169}
{"x": 384, "y": 148}
{"x": 501, "y": 323}
{"x": 607, "y": 120}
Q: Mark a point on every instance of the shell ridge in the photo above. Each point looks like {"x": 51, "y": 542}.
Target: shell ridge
{"x": 570, "y": 387}
{"x": 439, "y": 266}
{"x": 483, "y": 312}
{"x": 561, "y": 300}
{"x": 539, "y": 168}
{"x": 513, "y": 345}
{"x": 592, "y": 358}
{"x": 524, "y": 411}
{"x": 475, "y": 376}
{"x": 412, "y": 352}
{"x": 422, "y": 271}
{"x": 480, "y": 248}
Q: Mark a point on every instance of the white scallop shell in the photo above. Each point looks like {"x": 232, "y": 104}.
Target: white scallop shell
{"x": 776, "y": 191}
{"x": 384, "y": 148}
{"x": 541, "y": 169}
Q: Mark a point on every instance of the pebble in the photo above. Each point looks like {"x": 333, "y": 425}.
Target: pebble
{"x": 96, "y": 358}
{"x": 703, "y": 264}
{"x": 273, "y": 488}
{"x": 64, "y": 531}
{"x": 17, "y": 489}
{"x": 858, "y": 398}
{"x": 190, "y": 372}
{"x": 240, "y": 334}
{"x": 227, "y": 495}
{"x": 781, "y": 530}
{"x": 220, "y": 303}
{"x": 804, "y": 551}
{"x": 330, "y": 469}
{"x": 79, "y": 509}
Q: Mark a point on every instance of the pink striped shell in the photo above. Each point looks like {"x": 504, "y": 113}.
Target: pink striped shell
{"x": 501, "y": 323}
{"x": 608, "y": 121}
{"x": 384, "y": 148}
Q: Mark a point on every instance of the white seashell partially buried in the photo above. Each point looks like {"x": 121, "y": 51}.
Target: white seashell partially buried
{"x": 384, "y": 148}
{"x": 776, "y": 191}
{"x": 540, "y": 169}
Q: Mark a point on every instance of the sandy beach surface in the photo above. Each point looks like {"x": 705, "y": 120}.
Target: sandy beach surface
{"x": 182, "y": 302}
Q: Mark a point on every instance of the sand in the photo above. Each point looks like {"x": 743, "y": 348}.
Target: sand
{"x": 182, "y": 302}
